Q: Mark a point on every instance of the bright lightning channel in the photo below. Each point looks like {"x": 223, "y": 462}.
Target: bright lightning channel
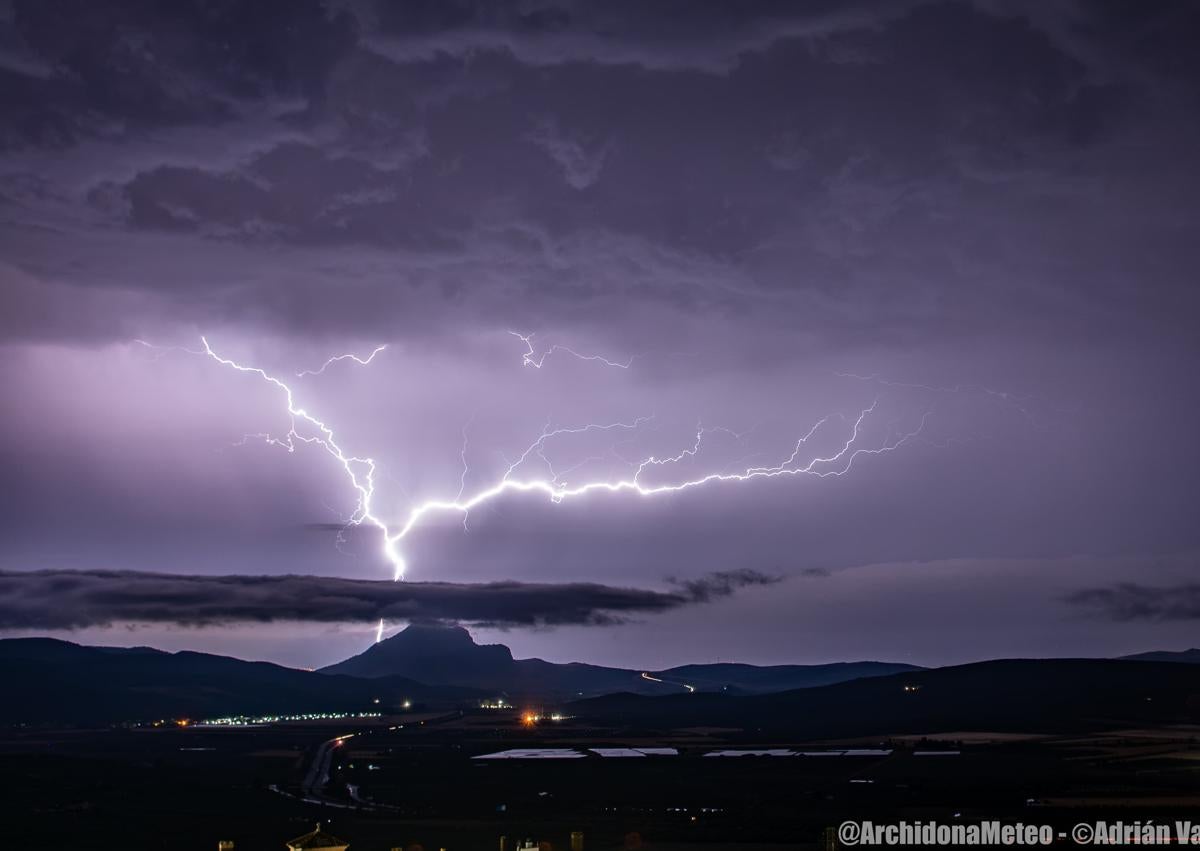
{"x": 331, "y": 361}
{"x": 361, "y": 471}
{"x": 837, "y": 464}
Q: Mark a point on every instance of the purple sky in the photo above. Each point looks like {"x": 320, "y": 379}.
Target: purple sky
{"x": 990, "y": 208}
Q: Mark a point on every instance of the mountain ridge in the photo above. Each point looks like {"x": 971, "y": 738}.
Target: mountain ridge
{"x": 1030, "y": 695}
{"x": 1191, "y": 656}
{"x": 61, "y": 681}
{"x": 448, "y": 655}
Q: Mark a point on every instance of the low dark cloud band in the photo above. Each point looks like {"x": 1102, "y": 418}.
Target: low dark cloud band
{"x": 1128, "y": 601}
{"x": 61, "y": 599}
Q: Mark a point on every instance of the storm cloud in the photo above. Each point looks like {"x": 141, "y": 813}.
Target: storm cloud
{"x": 720, "y": 584}
{"x": 1130, "y": 601}
{"x": 832, "y": 168}
{"x": 80, "y": 599}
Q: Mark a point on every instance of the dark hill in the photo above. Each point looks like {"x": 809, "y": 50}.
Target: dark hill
{"x": 1015, "y": 694}
{"x": 57, "y": 681}
{"x": 431, "y": 654}
{"x": 448, "y": 655}
{"x": 772, "y": 678}
{"x": 1189, "y": 657}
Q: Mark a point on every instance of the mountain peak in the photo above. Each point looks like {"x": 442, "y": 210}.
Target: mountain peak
{"x": 430, "y": 653}
{"x": 431, "y": 638}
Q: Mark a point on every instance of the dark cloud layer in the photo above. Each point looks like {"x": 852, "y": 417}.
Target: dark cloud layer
{"x": 866, "y": 169}
{"x": 1129, "y": 601}
{"x": 80, "y": 599}
{"x": 720, "y": 584}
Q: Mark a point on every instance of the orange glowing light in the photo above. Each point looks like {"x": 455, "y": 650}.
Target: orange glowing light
{"x": 528, "y": 719}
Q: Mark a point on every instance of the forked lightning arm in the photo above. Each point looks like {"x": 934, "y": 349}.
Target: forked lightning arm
{"x": 360, "y": 472}
{"x": 331, "y": 361}
{"x": 531, "y": 358}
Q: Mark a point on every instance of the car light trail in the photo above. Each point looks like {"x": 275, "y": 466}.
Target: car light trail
{"x": 646, "y": 676}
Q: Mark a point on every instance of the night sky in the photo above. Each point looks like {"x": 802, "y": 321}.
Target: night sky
{"x": 970, "y": 227}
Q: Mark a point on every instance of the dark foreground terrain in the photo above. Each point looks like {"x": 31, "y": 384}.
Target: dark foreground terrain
{"x": 133, "y": 749}
{"x": 416, "y": 779}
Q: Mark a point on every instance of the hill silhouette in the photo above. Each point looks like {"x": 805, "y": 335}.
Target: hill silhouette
{"x": 447, "y": 655}
{"x": 1188, "y": 657}
{"x": 59, "y": 681}
{"x": 1010, "y": 694}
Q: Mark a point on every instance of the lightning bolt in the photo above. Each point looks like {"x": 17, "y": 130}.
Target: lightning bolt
{"x": 1003, "y": 397}
{"x": 306, "y": 428}
{"x": 462, "y": 478}
{"x": 531, "y": 358}
{"x": 331, "y": 361}
{"x": 359, "y": 471}
{"x": 160, "y": 349}
{"x": 836, "y": 464}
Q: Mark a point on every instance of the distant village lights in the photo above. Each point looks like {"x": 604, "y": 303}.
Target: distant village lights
{"x": 259, "y": 720}
{"x": 529, "y": 719}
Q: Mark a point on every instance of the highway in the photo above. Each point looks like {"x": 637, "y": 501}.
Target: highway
{"x": 646, "y": 676}
{"x": 317, "y": 776}
{"x": 320, "y": 772}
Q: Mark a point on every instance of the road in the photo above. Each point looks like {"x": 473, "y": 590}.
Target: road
{"x": 646, "y": 676}
{"x": 317, "y": 776}
{"x": 320, "y": 771}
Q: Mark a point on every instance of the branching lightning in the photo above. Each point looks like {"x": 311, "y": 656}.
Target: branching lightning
{"x": 531, "y": 358}
{"x": 533, "y": 472}
{"x": 359, "y": 471}
{"x": 1001, "y": 397}
{"x": 160, "y": 349}
{"x": 336, "y": 358}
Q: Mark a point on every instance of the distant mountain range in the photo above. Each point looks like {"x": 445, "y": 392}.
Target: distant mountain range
{"x": 48, "y": 680}
{"x": 1190, "y": 657}
{"x": 52, "y": 681}
{"x": 441, "y": 655}
{"x": 1028, "y": 695}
